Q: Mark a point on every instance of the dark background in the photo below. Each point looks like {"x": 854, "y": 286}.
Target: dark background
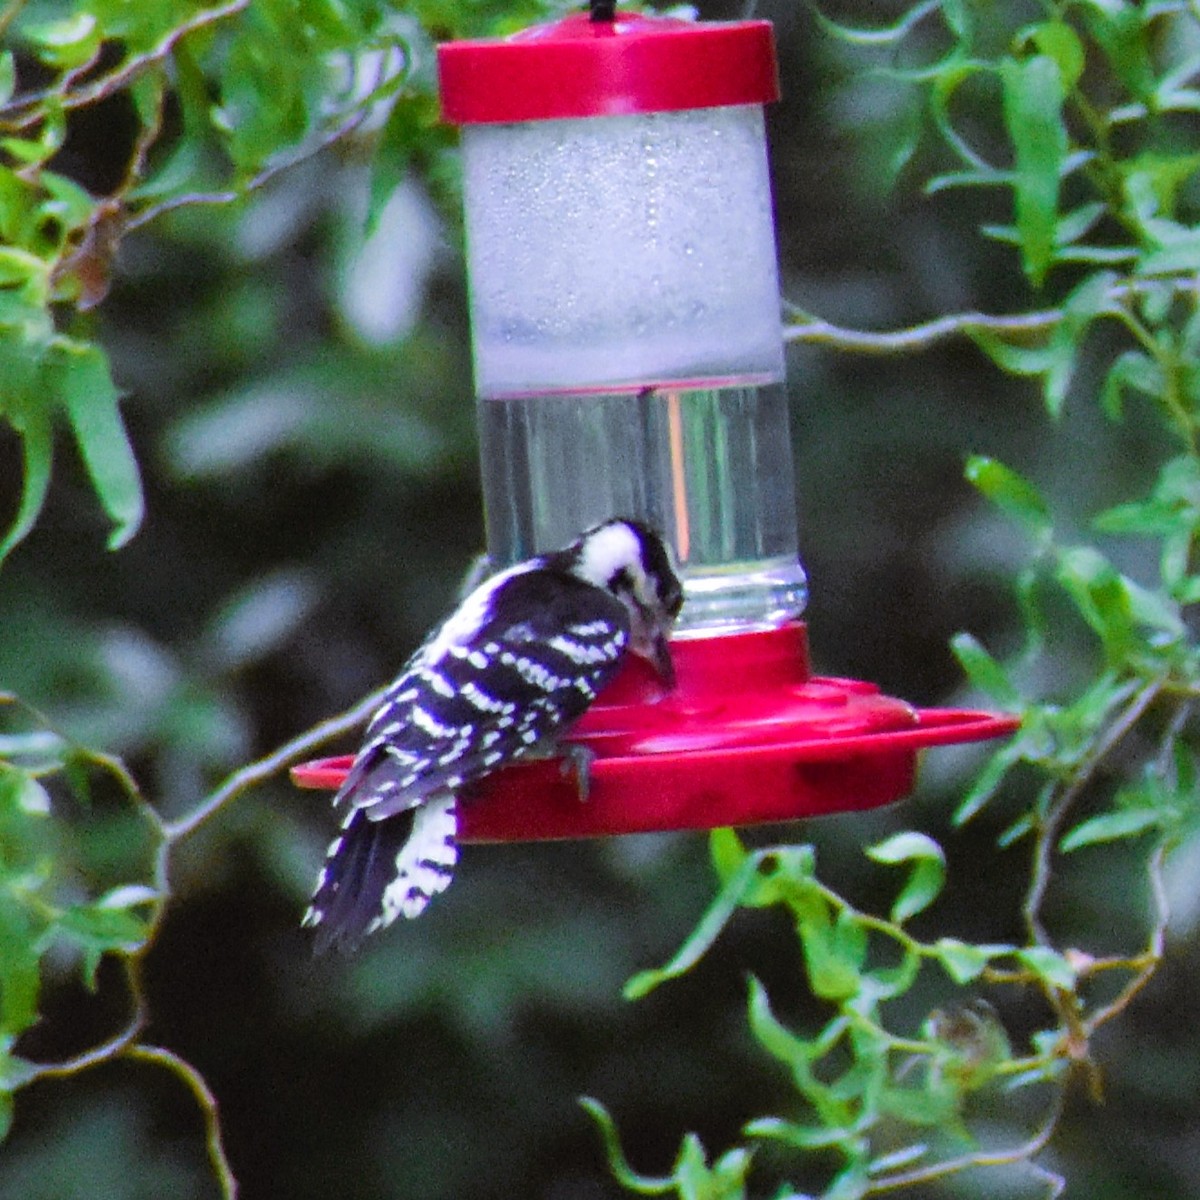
{"x": 312, "y": 500}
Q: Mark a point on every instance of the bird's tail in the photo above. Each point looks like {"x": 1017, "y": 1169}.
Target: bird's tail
{"x": 376, "y": 871}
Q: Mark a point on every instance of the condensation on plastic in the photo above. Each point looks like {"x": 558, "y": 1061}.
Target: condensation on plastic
{"x": 615, "y": 253}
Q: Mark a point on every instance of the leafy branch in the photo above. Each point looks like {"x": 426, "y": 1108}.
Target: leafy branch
{"x": 254, "y": 87}
{"x": 1104, "y": 216}
{"x": 1015, "y": 330}
{"x": 78, "y": 42}
{"x": 110, "y": 925}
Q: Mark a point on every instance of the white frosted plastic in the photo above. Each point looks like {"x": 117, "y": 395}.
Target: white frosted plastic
{"x": 620, "y": 252}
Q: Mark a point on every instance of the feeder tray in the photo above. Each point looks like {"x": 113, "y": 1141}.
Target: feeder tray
{"x": 747, "y": 737}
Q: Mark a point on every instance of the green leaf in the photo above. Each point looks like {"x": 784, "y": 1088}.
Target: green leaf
{"x": 1122, "y": 31}
{"x": 34, "y": 151}
{"x": 1074, "y": 224}
{"x": 99, "y": 929}
{"x": 964, "y": 962}
{"x": 988, "y": 781}
{"x": 800, "y": 1137}
{"x": 925, "y": 880}
{"x": 37, "y": 453}
{"x": 1033, "y": 99}
{"x": 1020, "y": 828}
{"x": 66, "y": 43}
{"x": 972, "y": 178}
{"x": 1151, "y": 518}
{"x": 1033, "y": 613}
{"x": 727, "y": 853}
{"x": 81, "y": 379}
{"x": 1101, "y": 596}
{"x": 1090, "y": 300}
{"x": 851, "y": 1183}
{"x": 15, "y": 1072}
{"x": 702, "y": 937}
{"x": 1132, "y": 370}
{"x": 1061, "y": 43}
{"x": 1153, "y": 180}
{"x": 8, "y": 76}
{"x": 1012, "y": 493}
{"x": 725, "y": 1180}
{"x": 936, "y": 1104}
{"x": 625, "y": 1175}
{"x": 776, "y": 1039}
{"x": 1050, "y": 966}
{"x": 984, "y": 672}
{"x": 1153, "y": 610}
{"x": 834, "y": 952}
{"x": 20, "y": 966}
{"x": 1112, "y": 826}
{"x": 1179, "y": 255}
{"x": 1187, "y": 591}
{"x": 883, "y": 35}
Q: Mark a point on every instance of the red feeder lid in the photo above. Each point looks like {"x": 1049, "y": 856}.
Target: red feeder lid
{"x": 747, "y": 737}
{"x": 576, "y": 67}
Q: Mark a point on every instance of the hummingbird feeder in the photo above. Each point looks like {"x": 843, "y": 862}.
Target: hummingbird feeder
{"x": 628, "y": 352}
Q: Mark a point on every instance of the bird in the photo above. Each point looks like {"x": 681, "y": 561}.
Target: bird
{"x": 501, "y": 680}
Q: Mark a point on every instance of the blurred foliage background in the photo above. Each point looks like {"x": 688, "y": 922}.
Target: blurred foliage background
{"x": 296, "y": 370}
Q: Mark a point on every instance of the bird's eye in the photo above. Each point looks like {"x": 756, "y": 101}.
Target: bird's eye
{"x": 620, "y": 581}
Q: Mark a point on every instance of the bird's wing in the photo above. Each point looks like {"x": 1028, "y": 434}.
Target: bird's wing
{"x": 472, "y": 707}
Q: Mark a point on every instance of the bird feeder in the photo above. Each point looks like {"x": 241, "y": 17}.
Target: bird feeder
{"x": 628, "y": 352}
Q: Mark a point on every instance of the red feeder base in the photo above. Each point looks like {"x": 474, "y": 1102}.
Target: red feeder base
{"x": 747, "y": 737}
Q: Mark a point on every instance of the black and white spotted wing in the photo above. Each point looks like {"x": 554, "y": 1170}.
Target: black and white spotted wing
{"x": 492, "y": 690}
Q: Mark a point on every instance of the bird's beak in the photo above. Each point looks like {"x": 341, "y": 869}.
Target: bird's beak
{"x": 660, "y": 659}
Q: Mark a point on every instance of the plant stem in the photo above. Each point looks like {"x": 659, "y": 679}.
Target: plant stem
{"x": 199, "y": 1088}
{"x": 271, "y": 764}
{"x": 1048, "y": 826}
{"x": 1024, "y": 1152}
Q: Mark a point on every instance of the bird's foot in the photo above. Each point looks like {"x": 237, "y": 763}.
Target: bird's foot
{"x": 577, "y": 760}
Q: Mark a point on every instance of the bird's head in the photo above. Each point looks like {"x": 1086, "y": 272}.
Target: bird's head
{"x": 630, "y": 560}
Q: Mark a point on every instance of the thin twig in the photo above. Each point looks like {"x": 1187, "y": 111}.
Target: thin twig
{"x": 117, "y": 1045}
{"x": 1025, "y": 1152}
{"x": 1013, "y": 327}
{"x": 918, "y": 337}
{"x": 109, "y": 84}
{"x": 1048, "y": 827}
{"x": 230, "y": 195}
{"x": 125, "y": 1043}
{"x": 208, "y": 1108}
{"x": 1150, "y": 961}
{"x": 270, "y": 765}
{"x": 9, "y": 14}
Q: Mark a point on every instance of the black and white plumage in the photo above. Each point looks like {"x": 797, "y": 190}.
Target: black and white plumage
{"x": 501, "y": 680}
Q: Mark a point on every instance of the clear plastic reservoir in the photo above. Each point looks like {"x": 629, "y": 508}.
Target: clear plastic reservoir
{"x": 711, "y": 468}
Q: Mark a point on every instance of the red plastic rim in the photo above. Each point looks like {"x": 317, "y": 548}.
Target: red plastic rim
{"x": 748, "y": 737}
{"x": 575, "y": 67}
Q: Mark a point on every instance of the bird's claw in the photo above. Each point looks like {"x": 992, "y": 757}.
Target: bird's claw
{"x": 577, "y": 760}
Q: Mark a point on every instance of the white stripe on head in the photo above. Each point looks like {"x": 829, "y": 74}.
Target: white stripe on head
{"x": 608, "y": 550}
